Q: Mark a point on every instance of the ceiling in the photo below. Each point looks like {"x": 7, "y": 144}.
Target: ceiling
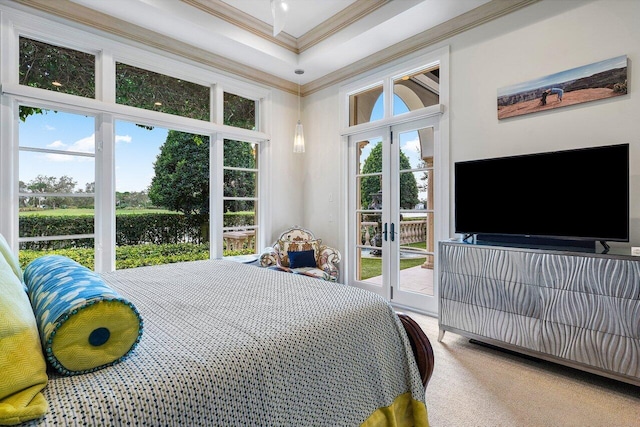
{"x": 329, "y": 39}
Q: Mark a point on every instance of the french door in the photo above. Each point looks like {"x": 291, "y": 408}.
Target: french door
{"x": 392, "y": 230}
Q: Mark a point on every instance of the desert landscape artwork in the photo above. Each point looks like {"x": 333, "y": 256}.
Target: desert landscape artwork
{"x": 604, "y": 79}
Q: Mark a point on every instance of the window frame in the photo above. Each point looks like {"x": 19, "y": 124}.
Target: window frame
{"x": 108, "y": 51}
{"x": 388, "y": 74}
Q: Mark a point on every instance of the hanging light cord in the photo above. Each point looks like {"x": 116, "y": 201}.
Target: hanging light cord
{"x": 299, "y": 73}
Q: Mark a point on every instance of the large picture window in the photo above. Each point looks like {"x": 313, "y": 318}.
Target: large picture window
{"x": 162, "y": 200}
{"x": 56, "y": 185}
{"x": 121, "y": 174}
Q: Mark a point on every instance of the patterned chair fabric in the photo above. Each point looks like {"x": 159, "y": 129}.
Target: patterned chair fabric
{"x": 296, "y": 239}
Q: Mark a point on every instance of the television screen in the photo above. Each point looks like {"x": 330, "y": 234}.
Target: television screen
{"x": 578, "y": 194}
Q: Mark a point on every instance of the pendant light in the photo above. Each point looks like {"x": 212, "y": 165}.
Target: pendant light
{"x": 298, "y": 138}
{"x": 279, "y": 14}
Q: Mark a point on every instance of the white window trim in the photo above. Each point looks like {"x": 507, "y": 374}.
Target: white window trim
{"x": 16, "y": 23}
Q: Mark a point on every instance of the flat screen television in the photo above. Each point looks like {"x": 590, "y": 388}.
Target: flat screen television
{"x": 571, "y": 195}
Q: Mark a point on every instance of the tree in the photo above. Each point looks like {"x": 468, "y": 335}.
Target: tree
{"x": 88, "y": 201}
{"x": 181, "y": 181}
{"x": 51, "y": 184}
{"x": 371, "y": 184}
{"x": 132, "y": 199}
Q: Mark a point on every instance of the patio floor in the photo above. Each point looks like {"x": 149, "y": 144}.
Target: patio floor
{"x": 415, "y": 279}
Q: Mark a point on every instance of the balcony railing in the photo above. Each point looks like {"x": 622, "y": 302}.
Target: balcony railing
{"x": 410, "y": 231}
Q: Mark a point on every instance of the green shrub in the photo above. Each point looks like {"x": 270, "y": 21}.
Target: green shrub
{"x": 131, "y": 229}
{"x": 134, "y": 255}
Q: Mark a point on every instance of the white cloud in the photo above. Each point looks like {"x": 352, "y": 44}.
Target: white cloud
{"x": 123, "y": 138}
{"x": 49, "y": 127}
{"x": 84, "y": 145}
{"x": 412, "y": 145}
{"x": 58, "y": 158}
{"x": 57, "y": 144}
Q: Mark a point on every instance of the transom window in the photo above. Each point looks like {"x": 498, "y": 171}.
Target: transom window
{"x": 239, "y": 111}
{"x": 158, "y": 92}
{"x": 56, "y": 68}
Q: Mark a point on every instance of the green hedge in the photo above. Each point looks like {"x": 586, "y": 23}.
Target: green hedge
{"x": 131, "y": 229}
{"x": 133, "y": 256}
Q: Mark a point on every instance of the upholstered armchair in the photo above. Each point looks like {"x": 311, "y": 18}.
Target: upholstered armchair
{"x": 292, "y": 253}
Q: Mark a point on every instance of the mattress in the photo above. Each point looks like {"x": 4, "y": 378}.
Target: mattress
{"x": 237, "y": 345}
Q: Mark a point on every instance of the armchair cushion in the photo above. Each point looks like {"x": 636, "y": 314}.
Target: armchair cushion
{"x": 286, "y": 246}
{"x": 302, "y": 259}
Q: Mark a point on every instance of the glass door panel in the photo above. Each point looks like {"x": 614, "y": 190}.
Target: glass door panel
{"x": 393, "y": 215}
{"x": 413, "y": 275}
{"x": 368, "y": 248}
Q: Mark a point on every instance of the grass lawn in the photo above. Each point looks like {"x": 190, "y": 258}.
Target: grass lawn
{"x": 372, "y": 267}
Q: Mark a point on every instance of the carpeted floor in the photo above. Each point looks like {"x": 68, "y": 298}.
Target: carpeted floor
{"x": 473, "y": 385}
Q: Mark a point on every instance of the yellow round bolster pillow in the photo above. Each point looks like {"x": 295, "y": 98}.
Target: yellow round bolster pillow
{"x": 84, "y": 324}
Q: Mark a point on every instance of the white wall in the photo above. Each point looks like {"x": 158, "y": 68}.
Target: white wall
{"x": 541, "y": 39}
{"x": 322, "y": 159}
{"x": 285, "y": 191}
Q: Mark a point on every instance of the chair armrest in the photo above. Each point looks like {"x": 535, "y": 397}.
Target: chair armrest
{"x": 269, "y": 257}
{"x": 328, "y": 261}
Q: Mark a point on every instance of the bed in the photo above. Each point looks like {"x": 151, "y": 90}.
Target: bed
{"x": 236, "y": 345}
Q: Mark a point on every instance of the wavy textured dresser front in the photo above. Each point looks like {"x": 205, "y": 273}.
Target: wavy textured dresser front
{"x": 580, "y": 310}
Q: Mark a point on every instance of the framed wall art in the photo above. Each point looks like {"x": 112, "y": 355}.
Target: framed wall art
{"x": 600, "y": 80}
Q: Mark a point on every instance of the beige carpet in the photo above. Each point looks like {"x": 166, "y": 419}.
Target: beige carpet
{"x": 477, "y": 386}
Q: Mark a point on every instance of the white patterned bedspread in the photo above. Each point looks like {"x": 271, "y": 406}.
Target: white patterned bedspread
{"x": 226, "y": 344}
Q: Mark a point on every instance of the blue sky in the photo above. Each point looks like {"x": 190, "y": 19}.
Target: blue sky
{"x": 563, "y": 76}
{"x": 136, "y": 150}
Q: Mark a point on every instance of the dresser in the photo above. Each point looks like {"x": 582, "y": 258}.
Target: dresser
{"x": 577, "y": 309}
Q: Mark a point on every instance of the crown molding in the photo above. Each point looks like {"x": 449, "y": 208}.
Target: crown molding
{"x": 89, "y": 17}
{"x": 243, "y": 20}
{"x": 100, "y": 21}
{"x": 344, "y": 18}
{"x": 339, "y": 21}
{"x": 473, "y": 18}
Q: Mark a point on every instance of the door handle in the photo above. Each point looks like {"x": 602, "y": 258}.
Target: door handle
{"x": 393, "y": 233}
{"x": 384, "y": 231}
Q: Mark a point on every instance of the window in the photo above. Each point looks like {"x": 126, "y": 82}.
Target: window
{"x": 408, "y": 92}
{"x": 86, "y": 167}
{"x": 417, "y": 90}
{"x": 361, "y": 106}
{"x": 240, "y": 194}
{"x": 56, "y": 184}
{"x": 162, "y": 200}
{"x": 153, "y": 91}
{"x": 239, "y": 112}
{"x": 55, "y": 68}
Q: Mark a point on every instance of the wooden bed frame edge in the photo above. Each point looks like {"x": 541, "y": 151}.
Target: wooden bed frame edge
{"x": 421, "y": 346}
